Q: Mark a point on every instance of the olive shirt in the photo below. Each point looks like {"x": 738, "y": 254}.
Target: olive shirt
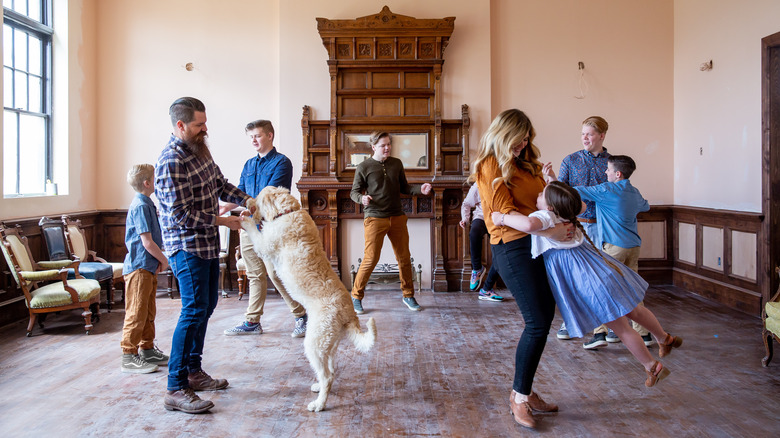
{"x": 384, "y": 181}
{"x": 520, "y": 197}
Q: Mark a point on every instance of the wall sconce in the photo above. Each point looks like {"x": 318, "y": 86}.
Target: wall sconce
{"x": 706, "y": 66}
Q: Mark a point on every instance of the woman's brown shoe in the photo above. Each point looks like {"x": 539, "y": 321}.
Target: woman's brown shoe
{"x": 522, "y": 413}
{"x": 537, "y": 404}
{"x": 665, "y": 347}
{"x": 657, "y": 373}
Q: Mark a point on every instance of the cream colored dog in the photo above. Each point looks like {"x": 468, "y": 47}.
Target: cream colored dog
{"x": 289, "y": 240}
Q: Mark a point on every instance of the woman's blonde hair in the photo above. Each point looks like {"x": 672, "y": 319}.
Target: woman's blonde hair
{"x": 508, "y": 129}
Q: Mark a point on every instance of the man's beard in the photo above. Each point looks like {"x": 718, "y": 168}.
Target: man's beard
{"x": 199, "y": 146}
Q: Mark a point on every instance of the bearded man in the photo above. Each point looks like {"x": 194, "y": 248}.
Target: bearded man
{"x": 188, "y": 186}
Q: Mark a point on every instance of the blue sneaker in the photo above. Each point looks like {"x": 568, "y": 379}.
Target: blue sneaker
{"x": 563, "y": 333}
{"x": 476, "y": 278}
{"x": 358, "y": 306}
{"x": 245, "y": 328}
{"x": 488, "y": 295}
{"x": 300, "y": 327}
{"x": 411, "y": 303}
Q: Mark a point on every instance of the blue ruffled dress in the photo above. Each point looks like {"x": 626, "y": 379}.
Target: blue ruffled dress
{"x": 587, "y": 290}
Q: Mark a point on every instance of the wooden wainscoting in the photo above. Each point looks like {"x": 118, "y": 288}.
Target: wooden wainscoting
{"x": 713, "y": 253}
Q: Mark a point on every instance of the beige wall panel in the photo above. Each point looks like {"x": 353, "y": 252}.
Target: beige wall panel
{"x": 743, "y": 254}
{"x": 653, "y": 236}
{"x": 686, "y": 242}
{"x": 712, "y": 248}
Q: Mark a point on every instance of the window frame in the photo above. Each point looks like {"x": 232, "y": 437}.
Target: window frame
{"x": 43, "y": 31}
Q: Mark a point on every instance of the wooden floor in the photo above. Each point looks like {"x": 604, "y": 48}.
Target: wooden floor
{"x": 445, "y": 371}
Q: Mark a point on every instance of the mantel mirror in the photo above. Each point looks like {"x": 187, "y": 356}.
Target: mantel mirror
{"x": 412, "y": 148}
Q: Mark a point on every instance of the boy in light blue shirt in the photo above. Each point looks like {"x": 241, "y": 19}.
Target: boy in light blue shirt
{"x": 143, "y": 262}
{"x": 617, "y": 205}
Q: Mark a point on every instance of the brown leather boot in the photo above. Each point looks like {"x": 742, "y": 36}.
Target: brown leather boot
{"x": 657, "y": 373}
{"x": 537, "y": 404}
{"x": 200, "y": 381}
{"x": 522, "y": 413}
{"x": 665, "y": 347}
{"x": 186, "y": 400}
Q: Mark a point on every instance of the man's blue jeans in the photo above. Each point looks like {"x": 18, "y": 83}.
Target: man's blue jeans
{"x": 198, "y": 285}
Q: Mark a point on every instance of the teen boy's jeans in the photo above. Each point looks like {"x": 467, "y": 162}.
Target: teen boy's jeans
{"x": 198, "y": 285}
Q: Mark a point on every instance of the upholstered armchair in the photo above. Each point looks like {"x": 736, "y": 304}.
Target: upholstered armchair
{"x": 45, "y": 285}
{"x": 77, "y": 242}
{"x": 58, "y": 250}
{"x": 771, "y": 319}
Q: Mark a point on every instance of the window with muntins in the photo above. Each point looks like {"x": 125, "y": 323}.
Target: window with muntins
{"x": 27, "y": 46}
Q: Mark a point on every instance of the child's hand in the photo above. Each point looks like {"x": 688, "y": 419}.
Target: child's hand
{"x": 163, "y": 266}
{"x": 548, "y": 172}
{"x": 497, "y": 218}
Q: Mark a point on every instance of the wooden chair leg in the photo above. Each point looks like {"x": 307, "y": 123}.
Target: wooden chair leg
{"x": 31, "y": 324}
{"x": 87, "y": 315}
{"x": 240, "y": 287}
{"x": 769, "y": 349}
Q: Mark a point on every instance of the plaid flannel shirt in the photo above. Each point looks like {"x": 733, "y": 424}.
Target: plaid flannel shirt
{"x": 188, "y": 189}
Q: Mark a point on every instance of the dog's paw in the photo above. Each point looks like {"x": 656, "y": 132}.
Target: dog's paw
{"x": 315, "y": 387}
{"x": 315, "y": 406}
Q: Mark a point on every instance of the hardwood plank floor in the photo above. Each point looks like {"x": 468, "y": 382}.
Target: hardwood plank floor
{"x": 445, "y": 371}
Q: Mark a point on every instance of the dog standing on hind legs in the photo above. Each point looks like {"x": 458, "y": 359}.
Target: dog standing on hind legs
{"x": 290, "y": 241}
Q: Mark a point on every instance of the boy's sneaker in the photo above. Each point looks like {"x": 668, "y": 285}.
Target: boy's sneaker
{"x": 245, "y": 328}
{"x": 154, "y": 355}
{"x": 411, "y": 303}
{"x": 132, "y": 363}
{"x": 488, "y": 295}
{"x": 300, "y": 327}
{"x": 599, "y": 340}
{"x": 358, "y": 306}
{"x": 649, "y": 341}
{"x": 476, "y": 278}
{"x": 563, "y": 333}
{"x": 612, "y": 337}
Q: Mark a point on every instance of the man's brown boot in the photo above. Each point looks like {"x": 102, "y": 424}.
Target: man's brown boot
{"x": 200, "y": 381}
{"x": 186, "y": 400}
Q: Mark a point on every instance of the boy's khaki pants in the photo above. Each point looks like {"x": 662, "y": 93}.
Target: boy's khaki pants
{"x": 140, "y": 311}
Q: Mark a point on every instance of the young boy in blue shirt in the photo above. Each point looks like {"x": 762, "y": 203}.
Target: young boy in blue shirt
{"x": 143, "y": 262}
{"x": 617, "y": 205}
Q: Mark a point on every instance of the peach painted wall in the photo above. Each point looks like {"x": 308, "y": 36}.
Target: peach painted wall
{"x": 717, "y": 113}
{"x": 626, "y": 47}
{"x": 143, "y": 48}
{"x": 74, "y": 98}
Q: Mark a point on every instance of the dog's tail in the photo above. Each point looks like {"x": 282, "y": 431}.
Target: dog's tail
{"x": 363, "y": 341}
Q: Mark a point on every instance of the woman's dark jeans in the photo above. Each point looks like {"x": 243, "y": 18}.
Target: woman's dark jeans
{"x": 526, "y": 278}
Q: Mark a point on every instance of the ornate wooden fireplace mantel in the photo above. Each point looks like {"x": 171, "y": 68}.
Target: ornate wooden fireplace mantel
{"x": 385, "y": 74}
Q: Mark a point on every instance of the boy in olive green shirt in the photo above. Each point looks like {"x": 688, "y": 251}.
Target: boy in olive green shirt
{"x": 379, "y": 182}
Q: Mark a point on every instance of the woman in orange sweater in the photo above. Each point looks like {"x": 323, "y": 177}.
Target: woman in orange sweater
{"x": 509, "y": 176}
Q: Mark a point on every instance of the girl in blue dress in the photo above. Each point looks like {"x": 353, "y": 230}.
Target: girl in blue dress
{"x": 590, "y": 287}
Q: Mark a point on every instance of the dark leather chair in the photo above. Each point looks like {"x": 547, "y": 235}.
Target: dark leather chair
{"x": 57, "y": 247}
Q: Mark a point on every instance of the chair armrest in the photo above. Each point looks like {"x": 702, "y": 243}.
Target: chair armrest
{"x": 55, "y": 264}
{"x": 50, "y": 274}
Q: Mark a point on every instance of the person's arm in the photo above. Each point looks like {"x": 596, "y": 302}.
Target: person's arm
{"x": 359, "y": 186}
{"x": 592, "y": 193}
{"x": 563, "y": 173}
{"x": 562, "y": 232}
{"x": 518, "y": 221}
{"x": 154, "y": 250}
{"x": 469, "y": 202}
